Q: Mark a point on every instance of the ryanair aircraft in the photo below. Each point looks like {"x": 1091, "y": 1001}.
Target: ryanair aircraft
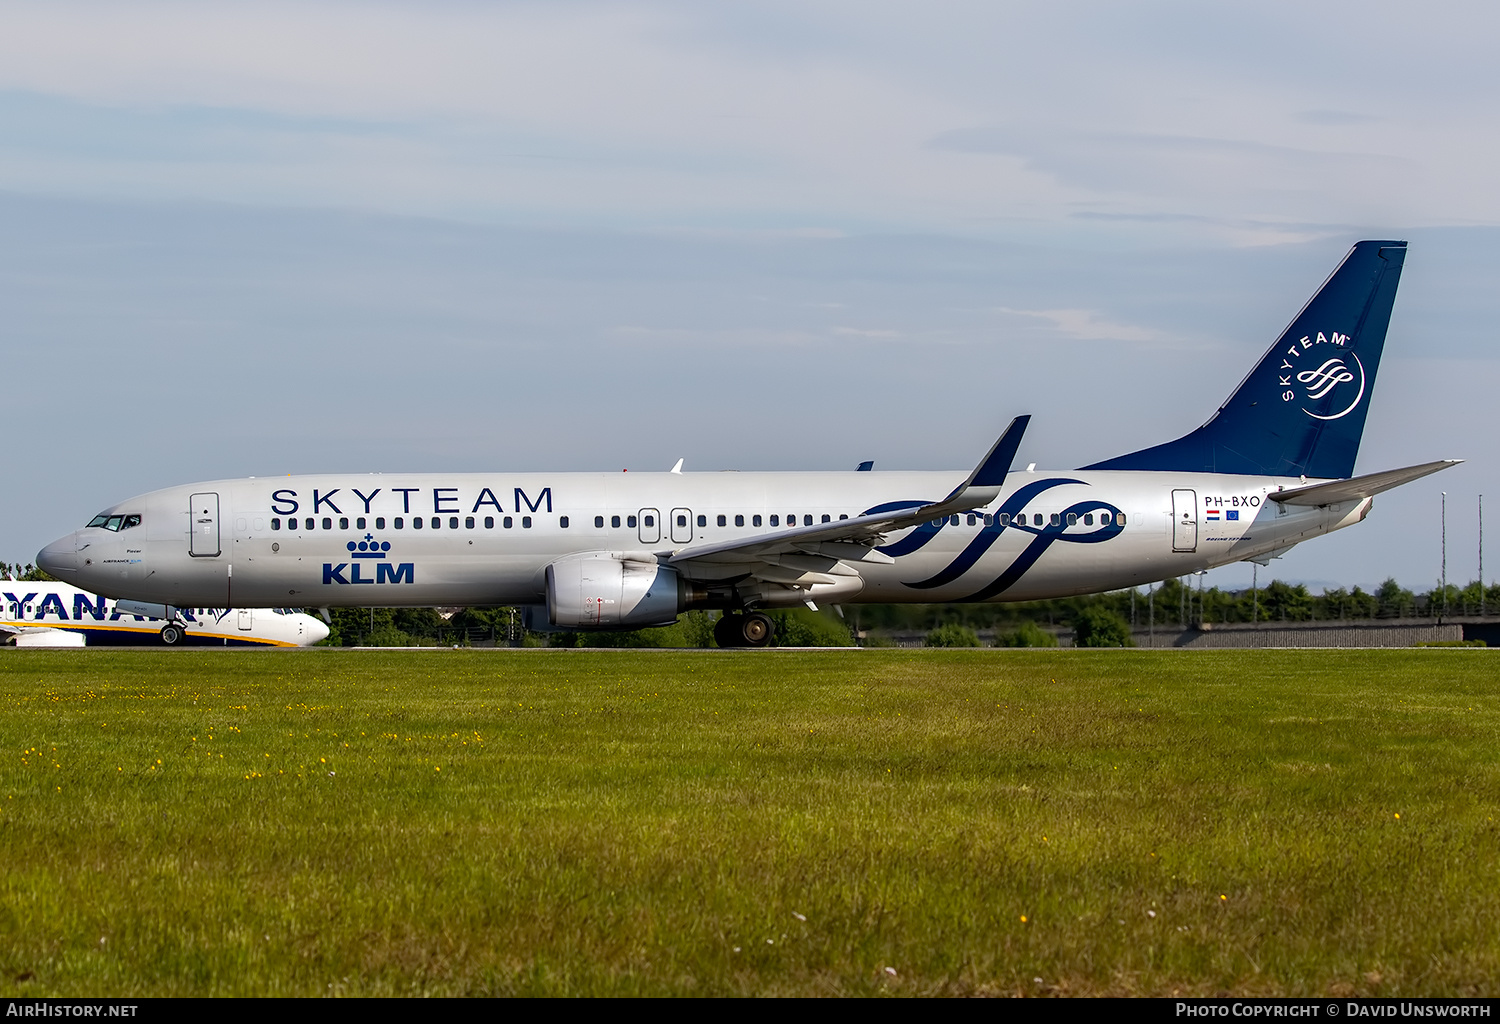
{"x": 1273, "y": 467}
{"x": 57, "y": 615}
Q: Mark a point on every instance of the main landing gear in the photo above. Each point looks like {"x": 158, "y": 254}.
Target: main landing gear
{"x": 171, "y": 634}
{"x": 754, "y": 629}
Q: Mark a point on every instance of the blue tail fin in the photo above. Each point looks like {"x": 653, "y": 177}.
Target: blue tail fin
{"x": 1301, "y": 411}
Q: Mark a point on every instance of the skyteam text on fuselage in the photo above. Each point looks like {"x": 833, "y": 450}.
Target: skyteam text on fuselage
{"x": 58, "y": 615}
{"x": 1273, "y": 467}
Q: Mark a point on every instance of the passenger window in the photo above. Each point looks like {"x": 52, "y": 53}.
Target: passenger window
{"x": 827, "y": 519}
{"x": 310, "y": 523}
{"x": 807, "y": 520}
{"x": 469, "y": 523}
{"x": 1120, "y": 518}
{"x": 953, "y": 519}
{"x": 453, "y": 522}
{"x": 507, "y": 522}
{"x": 703, "y": 520}
{"x": 327, "y": 522}
{"x": 489, "y": 522}
{"x": 416, "y": 522}
{"x": 682, "y": 520}
{"x": 399, "y": 522}
{"x": 755, "y": 520}
{"x": 525, "y": 522}
{"x": 1004, "y": 518}
{"x": 563, "y": 522}
{"x": 359, "y": 524}
{"x": 1088, "y": 519}
{"x": 843, "y": 516}
{"x": 343, "y": 522}
{"x": 972, "y": 519}
{"x": 739, "y": 520}
{"x": 1056, "y": 519}
{"x": 598, "y": 522}
{"x": 614, "y": 521}
{"x": 1036, "y": 520}
{"x": 1072, "y": 519}
{"x": 380, "y": 522}
{"x": 650, "y": 521}
{"x": 630, "y": 522}
{"x": 437, "y": 523}
{"x": 722, "y": 521}
{"x": 775, "y": 520}
{"x": 275, "y": 523}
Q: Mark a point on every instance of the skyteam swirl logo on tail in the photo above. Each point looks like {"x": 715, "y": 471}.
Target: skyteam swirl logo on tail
{"x": 1008, "y": 517}
{"x": 1333, "y": 379}
{"x": 1326, "y": 379}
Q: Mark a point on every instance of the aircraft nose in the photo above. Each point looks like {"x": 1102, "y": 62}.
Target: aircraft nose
{"x": 61, "y": 556}
{"x": 317, "y": 632}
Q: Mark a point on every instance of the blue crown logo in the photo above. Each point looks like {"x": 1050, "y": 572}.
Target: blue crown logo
{"x": 369, "y": 547}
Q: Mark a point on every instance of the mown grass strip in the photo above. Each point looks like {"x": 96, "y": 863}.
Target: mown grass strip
{"x": 723, "y": 823}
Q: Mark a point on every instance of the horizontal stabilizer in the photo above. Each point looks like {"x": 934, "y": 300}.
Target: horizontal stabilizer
{"x": 1358, "y": 487}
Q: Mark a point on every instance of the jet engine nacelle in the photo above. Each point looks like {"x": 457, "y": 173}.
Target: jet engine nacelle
{"x": 611, "y": 590}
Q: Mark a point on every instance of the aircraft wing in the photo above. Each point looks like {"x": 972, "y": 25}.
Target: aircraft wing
{"x": 813, "y": 554}
{"x": 1359, "y": 486}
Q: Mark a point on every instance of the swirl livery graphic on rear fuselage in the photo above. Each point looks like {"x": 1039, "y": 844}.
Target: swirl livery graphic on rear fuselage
{"x": 1007, "y": 517}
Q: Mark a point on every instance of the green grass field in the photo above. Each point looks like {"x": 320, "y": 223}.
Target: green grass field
{"x": 729, "y": 823}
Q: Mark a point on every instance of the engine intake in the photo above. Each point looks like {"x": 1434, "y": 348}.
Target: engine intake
{"x": 611, "y": 590}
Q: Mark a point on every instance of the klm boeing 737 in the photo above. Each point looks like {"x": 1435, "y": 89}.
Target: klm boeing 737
{"x": 1272, "y": 468}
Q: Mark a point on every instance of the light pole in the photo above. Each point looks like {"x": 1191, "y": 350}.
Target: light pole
{"x": 1445, "y": 558}
{"x": 1481, "y": 554}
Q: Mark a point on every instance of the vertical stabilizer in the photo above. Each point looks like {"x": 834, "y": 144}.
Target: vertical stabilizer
{"x": 1301, "y": 411}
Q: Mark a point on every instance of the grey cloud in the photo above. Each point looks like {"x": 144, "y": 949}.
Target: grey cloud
{"x": 1151, "y": 164}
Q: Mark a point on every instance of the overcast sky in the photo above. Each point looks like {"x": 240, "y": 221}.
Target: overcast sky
{"x": 270, "y": 238}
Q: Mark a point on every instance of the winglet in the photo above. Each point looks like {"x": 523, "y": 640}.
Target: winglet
{"x": 990, "y": 473}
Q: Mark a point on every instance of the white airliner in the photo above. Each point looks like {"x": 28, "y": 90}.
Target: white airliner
{"x": 1270, "y": 469}
{"x": 59, "y": 615}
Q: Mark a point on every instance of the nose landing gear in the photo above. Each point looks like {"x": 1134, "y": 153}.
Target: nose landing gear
{"x": 754, "y": 629}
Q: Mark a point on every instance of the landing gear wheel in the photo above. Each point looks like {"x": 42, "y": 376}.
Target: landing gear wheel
{"x": 727, "y": 630}
{"x": 756, "y": 630}
{"x": 171, "y": 634}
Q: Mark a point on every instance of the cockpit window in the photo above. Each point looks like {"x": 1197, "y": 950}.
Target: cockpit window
{"x": 115, "y": 523}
